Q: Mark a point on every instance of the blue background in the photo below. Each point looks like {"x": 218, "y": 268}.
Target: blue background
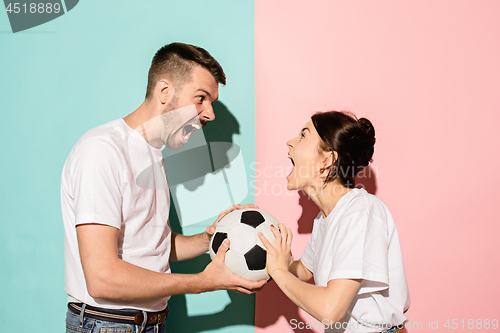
{"x": 81, "y": 70}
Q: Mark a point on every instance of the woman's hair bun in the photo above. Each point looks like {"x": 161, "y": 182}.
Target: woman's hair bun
{"x": 367, "y": 127}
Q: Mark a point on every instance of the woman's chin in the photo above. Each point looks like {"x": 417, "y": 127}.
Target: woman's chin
{"x": 291, "y": 185}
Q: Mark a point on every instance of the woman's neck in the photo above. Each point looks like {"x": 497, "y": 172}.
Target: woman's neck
{"x": 327, "y": 196}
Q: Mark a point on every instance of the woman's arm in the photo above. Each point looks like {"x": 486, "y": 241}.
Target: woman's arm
{"x": 300, "y": 271}
{"x": 328, "y": 303}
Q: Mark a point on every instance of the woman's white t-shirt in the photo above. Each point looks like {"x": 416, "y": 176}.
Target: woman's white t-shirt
{"x": 359, "y": 240}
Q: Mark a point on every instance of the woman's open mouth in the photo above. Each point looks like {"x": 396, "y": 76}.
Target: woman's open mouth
{"x": 293, "y": 163}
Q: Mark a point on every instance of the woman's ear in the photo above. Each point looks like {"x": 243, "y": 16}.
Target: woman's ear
{"x": 329, "y": 158}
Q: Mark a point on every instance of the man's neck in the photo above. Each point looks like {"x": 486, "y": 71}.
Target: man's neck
{"x": 140, "y": 121}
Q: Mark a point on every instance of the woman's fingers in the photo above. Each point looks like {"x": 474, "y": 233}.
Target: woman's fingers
{"x": 289, "y": 237}
{"x": 276, "y": 233}
{"x": 283, "y": 237}
{"x": 264, "y": 240}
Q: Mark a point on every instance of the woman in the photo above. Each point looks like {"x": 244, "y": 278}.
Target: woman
{"x": 354, "y": 253}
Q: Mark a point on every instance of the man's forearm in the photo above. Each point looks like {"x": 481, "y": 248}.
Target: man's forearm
{"x": 187, "y": 247}
{"x": 121, "y": 280}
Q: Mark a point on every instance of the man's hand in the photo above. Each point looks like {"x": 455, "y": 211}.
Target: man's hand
{"x": 218, "y": 276}
{"x": 211, "y": 228}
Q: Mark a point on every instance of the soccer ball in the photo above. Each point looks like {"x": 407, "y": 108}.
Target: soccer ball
{"x": 246, "y": 255}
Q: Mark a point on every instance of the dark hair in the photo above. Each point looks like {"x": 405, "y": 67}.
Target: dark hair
{"x": 352, "y": 139}
{"x": 175, "y": 61}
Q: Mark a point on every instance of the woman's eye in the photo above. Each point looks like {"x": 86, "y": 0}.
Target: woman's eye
{"x": 302, "y": 135}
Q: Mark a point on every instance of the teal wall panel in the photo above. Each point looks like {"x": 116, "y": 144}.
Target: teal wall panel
{"x": 83, "y": 69}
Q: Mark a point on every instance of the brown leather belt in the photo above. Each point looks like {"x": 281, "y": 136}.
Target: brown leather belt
{"x": 118, "y": 316}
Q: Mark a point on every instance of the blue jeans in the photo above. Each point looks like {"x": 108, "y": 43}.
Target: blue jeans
{"x": 100, "y": 326}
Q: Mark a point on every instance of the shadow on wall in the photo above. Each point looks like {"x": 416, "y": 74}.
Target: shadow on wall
{"x": 272, "y": 303}
{"x": 240, "y": 310}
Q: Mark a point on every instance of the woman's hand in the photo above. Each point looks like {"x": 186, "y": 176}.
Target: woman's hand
{"x": 279, "y": 255}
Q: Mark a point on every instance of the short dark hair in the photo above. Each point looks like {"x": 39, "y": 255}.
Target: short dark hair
{"x": 175, "y": 61}
{"x": 352, "y": 139}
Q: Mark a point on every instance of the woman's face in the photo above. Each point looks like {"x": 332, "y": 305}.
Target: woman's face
{"x": 306, "y": 158}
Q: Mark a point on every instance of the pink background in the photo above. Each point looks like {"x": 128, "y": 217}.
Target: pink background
{"x": 427, "y": 73}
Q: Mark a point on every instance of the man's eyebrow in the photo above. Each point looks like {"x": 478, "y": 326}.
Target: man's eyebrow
{"x": 206, "y": 92}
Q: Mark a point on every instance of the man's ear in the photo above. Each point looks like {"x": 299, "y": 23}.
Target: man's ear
{"x": 164, "y": 90}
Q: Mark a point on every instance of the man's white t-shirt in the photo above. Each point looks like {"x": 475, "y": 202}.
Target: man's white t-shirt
{"x": 359, "y": 240}
{"x": 113, "y": 177}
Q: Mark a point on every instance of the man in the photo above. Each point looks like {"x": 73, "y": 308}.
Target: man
{"x": 115, "y": 204}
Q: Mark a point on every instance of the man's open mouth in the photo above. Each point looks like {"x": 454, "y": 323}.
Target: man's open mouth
{"x": 188, "y": 129}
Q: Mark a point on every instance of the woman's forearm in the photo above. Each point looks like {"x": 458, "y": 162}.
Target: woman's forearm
{"x": 328, "y": 303}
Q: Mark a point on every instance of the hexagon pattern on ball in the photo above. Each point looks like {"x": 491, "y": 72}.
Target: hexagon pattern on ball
{"x": 246, "y": 256}
{"x": 243, "y": 244}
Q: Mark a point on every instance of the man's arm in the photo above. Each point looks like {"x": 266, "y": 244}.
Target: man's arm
{"x": 187, "y": 247}
{"x": 107, "y": 276}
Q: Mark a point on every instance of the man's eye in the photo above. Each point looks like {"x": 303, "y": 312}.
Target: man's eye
{"x": 200, "y": 98}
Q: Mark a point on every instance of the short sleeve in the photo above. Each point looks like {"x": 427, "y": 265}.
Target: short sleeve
{"x": 96, "y": 184}
{"x": 361, "y": 251}
{"x": 307, "y": 257}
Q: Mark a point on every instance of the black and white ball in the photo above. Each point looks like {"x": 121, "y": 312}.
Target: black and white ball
{"x": 246, "y": 256}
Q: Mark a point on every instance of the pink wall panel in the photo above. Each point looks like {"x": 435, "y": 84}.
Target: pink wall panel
{"x": 427, "y": 74}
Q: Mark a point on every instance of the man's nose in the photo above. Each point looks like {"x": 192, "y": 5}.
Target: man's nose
{"x": 207, "y": 114}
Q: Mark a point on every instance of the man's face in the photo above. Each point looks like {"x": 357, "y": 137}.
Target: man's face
{"x": 190, "y": 108}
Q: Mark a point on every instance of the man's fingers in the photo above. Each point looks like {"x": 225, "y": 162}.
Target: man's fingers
{"x": 221, "y": 251}
{"x": 210, "y": 230}
{"x": 250, "y": 285}
{"x": 243, "y": 291}
{"x": 248, "y": 206}
{"x": 234, "y": 207}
